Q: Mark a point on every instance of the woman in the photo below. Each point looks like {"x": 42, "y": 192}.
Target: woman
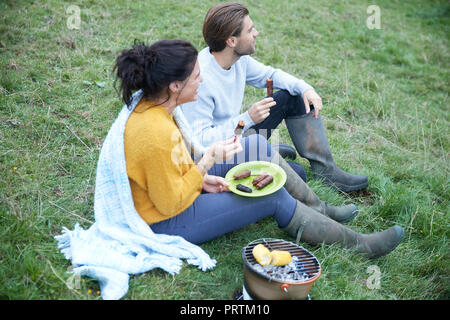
{"x": 176, "y": 196}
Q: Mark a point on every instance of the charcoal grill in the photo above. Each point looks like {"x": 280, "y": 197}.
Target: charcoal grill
{"x": 267, "y": 284}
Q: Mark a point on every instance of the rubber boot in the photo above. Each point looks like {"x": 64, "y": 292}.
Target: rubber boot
{"x": 298, "y": 189}
{"x": 285, "y": 150}
{"x": 310, "y": 140}
{"x": 308, "y": 226}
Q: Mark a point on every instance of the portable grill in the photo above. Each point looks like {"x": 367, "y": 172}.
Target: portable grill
{"x": 269, "y": 284}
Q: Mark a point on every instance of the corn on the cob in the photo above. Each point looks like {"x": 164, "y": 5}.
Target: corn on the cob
{"x": 262, "y": 254}
{"x": 280, "y": 257}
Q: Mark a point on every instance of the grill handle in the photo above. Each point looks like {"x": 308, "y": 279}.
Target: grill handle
{"x": 285, "y": 288}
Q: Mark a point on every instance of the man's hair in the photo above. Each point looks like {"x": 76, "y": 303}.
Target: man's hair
{"x": 221, "y": 22}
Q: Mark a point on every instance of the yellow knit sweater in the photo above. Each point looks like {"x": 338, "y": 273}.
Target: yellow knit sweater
{"x": 163, "y": 178}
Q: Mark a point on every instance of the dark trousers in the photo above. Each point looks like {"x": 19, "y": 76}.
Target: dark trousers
{"x": 214, "y": 214}
{"x": 287, "y": 106}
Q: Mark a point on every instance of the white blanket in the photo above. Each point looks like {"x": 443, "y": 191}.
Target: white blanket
{"x": 120, "y": 243}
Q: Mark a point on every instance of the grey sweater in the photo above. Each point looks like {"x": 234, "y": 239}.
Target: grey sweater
{"x": 214, "y": 116}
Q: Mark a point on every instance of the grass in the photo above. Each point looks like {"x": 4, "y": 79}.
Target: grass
{"x": 385, "y": 94}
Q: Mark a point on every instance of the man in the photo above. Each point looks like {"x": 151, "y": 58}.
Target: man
{"x": 226, "y": 67}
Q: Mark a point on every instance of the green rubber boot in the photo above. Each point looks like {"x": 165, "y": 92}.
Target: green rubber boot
{"x": 310, "y": 140}
{"x": 302, "y": 192}
{"x": 308, "y": 226}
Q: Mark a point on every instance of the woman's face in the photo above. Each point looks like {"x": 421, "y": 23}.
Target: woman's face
{"x": 189, "y": 91}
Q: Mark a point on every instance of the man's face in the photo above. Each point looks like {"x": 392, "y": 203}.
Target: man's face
{"x": 247, "y": 39}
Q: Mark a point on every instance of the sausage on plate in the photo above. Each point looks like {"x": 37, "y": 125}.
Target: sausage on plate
{"x": 267, "y": 180}
{"x": 242, "y": 175}
{"x": 244, "y": 188}
{"x": 259, "y": 178}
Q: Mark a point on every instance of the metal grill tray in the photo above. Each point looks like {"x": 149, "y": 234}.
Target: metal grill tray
{"x": 308, "y": 262}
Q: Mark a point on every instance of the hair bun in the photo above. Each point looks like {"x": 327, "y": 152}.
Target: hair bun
{"x": 150, "y": 56}
{"x": 135, "y": 71}
{"x": 153, "y": 68}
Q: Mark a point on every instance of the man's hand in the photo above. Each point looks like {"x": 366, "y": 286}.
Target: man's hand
{"x": 311, "y": 97}
{"x": 261, "y": 110}
{"x": 214, "y": 184}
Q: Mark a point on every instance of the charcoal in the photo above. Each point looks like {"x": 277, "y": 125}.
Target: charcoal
{"x": 294, "y": 271}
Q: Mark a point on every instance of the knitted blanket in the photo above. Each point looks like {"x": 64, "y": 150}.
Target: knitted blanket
{"x": 120, "y": 243}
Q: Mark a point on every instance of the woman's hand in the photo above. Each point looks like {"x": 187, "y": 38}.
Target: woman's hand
{"x": 220, "y": 151}
{"x": 214, "y": 184}
{"x": 225, "y": 150}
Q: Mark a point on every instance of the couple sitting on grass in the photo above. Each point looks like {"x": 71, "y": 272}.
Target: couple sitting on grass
{"x": 182, "y": 97}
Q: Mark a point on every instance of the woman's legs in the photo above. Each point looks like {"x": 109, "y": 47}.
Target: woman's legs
{"x": 309, "y": 226}
{"x": 214, "y": 214}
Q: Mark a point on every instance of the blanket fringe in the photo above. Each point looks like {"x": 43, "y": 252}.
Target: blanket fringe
{"x": 64, "y": 242}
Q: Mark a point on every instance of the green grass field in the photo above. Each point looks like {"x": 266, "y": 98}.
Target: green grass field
{"x": 386, "y": 110}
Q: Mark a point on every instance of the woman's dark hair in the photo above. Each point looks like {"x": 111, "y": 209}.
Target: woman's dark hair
{"x": 153, "y": 68}
{"x": 221, "y": 22}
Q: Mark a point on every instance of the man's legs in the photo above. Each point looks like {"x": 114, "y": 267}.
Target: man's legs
{"x": 309, "y": 138}
{"x": 285, "y": 107}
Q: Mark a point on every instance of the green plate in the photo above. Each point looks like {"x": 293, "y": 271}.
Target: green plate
{"x": 256, "y": 168}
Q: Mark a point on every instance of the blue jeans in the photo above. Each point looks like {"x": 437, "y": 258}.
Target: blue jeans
{"x": 215, "y": 214}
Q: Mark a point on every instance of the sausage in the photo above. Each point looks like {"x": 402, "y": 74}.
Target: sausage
{"x": 240, "y": 126}
{"x": 238, "y": 131}
{"x": 242, "y": 175}
{"x": 259, "y": 178}
{"x": 269, "y": 85}
{"x": 264, "y": 182}
{"x": 244, "y": 188}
